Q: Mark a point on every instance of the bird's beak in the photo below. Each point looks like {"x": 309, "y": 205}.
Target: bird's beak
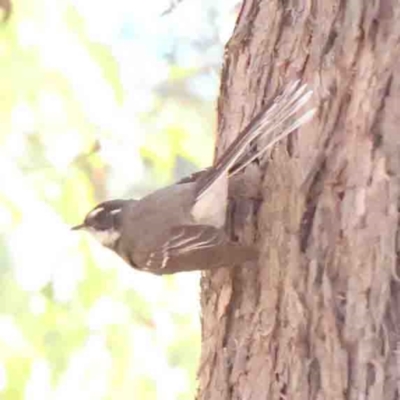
{"x": 77, "y": 227}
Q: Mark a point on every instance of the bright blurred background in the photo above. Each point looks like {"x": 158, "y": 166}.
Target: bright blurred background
{"x": 99, "y": 100}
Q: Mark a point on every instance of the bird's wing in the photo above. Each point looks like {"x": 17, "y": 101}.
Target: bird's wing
{"x": 187, "y": 248}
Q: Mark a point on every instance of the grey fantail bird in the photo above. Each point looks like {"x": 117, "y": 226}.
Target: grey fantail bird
{"x": 181, "y": 227}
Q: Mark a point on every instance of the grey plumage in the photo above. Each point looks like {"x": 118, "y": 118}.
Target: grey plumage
{"x": 180, "y": 227}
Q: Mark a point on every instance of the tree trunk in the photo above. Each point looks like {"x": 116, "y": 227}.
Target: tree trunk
{"x": 319, "y": 318}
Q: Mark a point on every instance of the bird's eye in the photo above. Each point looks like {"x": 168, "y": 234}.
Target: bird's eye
{"x": 103, "y": 221}
{"x": 103, "y": 217}
{"x": 100, "y": 219}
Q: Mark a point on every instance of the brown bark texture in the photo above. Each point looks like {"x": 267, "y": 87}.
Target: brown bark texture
{"x": 319, "y": 317}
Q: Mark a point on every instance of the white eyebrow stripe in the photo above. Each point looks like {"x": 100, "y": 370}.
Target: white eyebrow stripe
{"x": 116, "y": 211}
{"x": 96, "y": 211}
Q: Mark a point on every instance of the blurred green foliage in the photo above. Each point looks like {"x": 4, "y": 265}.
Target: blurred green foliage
{"x": 75, "y": 321}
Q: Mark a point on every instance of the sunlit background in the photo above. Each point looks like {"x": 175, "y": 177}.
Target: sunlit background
{"x": 99, "y": 100}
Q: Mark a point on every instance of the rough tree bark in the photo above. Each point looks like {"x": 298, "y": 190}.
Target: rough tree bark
{"x": 320, "y": 317}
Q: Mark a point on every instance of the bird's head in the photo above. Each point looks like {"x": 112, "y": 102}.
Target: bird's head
{"x": 104, "y": 222}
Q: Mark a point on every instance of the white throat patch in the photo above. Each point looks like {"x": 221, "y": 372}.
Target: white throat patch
{"x": 106, "y": 238}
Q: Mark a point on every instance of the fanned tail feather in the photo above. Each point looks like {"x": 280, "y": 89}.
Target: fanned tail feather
{"x": 271, "y": 123}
